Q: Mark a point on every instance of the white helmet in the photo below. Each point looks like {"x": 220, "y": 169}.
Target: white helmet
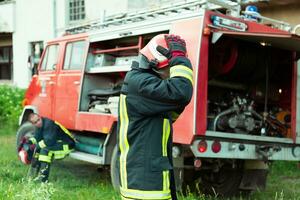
{"x": 152, "y": 54}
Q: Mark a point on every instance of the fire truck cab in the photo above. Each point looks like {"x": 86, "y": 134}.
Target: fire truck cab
{"x": 243, "y": 113}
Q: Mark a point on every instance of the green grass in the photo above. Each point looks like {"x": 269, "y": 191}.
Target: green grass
{"x": 71, "y": 179}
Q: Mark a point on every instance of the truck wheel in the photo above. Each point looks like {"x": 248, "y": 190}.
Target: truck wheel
{"x": 224, "y": 183}
{"x": 114, "y": 171}
{"x": 26, "y": 130}
{"x": 190, "y": 181}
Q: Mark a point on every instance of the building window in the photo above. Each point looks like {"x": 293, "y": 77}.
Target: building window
{"x": 6, "y": 63}
{"x": 76, "y": 10}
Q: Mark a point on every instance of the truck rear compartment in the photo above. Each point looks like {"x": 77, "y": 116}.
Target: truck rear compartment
{"x": 250, "y": 88}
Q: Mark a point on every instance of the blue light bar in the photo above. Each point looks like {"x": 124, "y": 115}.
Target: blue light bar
{"x": 228, "y": 23}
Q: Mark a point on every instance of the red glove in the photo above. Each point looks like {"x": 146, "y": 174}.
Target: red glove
{"x": 176, "y": 45}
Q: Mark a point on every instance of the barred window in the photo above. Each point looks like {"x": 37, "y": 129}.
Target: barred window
{"x": 76, "y": 10}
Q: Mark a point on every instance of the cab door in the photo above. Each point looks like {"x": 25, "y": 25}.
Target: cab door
{"x": 47, "y": 81}
{"x": 69, "y": 81}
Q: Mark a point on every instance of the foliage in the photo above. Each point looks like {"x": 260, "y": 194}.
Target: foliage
{"x": 10, "y": 104}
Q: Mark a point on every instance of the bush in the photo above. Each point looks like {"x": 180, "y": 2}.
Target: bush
{"x": 10, "y": 104}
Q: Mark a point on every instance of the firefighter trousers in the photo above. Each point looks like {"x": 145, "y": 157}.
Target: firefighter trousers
{"x": 58, "y": 151}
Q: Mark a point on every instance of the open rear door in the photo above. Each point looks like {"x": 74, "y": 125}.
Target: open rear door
{"x": 285, "y": 42}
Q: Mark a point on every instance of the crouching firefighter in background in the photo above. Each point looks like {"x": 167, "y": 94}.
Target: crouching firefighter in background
{"x": 51, "y": 141}
{"x": 154, "y": 93}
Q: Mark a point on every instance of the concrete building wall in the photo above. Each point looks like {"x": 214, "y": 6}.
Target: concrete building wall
{"x": 60, "y": 16}
{"x": 287, "y": 13}
{"x": 95, "y": 8}
{"x": 34, "y": 22}
{"x": 7, "y": 17}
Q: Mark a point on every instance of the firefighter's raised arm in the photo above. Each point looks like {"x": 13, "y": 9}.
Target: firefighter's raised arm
{"x": 164, "y": 77}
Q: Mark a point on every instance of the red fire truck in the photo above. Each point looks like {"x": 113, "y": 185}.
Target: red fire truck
{"x": 243, "y": 113}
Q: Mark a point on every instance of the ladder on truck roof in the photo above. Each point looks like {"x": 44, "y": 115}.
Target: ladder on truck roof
{"x": 173, "y": 9}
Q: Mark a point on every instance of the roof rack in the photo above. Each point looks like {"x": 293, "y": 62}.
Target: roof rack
{"x": 233, "y": 8}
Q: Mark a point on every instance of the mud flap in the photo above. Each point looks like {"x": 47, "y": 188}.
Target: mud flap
{"x": 254, "y": 179}
{"x": 254, "y": 176}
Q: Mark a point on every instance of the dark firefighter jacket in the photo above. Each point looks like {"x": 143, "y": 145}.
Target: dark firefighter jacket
{"x": 51, "y": 132}
{"x": 147, "y": 108}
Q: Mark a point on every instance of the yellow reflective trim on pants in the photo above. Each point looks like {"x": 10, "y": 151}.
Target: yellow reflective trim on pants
{"x": 60, "y": 154}
{"x": 182, "y": 71}
{"x": 166, "y": 180}
{"x": 124, "y": 146}
{"x": 65, "y": 130}
{"x": 141, "y": 194}
{"x": 42, "y": 144}
{"x": 33, "y": 140}
{"x": 165, "y": 138}
{"x": 63, "y": 153}
{"x": 66, "y": 148}
{"x": 45, "y": 158}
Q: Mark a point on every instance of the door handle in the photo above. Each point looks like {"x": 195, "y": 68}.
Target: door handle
{"x": 51, "y": 82}
{"x": 76, "y": 82}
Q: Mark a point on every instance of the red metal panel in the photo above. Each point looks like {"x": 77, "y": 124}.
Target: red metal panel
{"x": 95, "y": 122}
{"x": 201, "y": 110}
{"x": 191, "y": 31}
{"x": 67, "y": 96}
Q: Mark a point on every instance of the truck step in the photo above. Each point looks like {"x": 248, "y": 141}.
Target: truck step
{"x": 95, "y": 159}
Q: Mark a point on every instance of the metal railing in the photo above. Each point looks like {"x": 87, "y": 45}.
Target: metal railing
{"x": 233, "y": 8}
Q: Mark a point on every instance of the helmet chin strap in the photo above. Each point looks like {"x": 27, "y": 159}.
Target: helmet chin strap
{"x": 157, "y": 71}
{"x": 153, "y": 64}
{"x": 144, "y": 63}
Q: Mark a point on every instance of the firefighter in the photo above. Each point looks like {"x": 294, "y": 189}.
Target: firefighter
{"x": 154, "y": 93}
{"x": 52, "y": 141}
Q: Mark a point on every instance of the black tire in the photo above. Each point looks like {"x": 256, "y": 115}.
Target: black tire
{"x": 224, "y": 183}
{"x": 114, "y": 170}
{"x": 190, "y": 181}
{"x": 25, "y": 130}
